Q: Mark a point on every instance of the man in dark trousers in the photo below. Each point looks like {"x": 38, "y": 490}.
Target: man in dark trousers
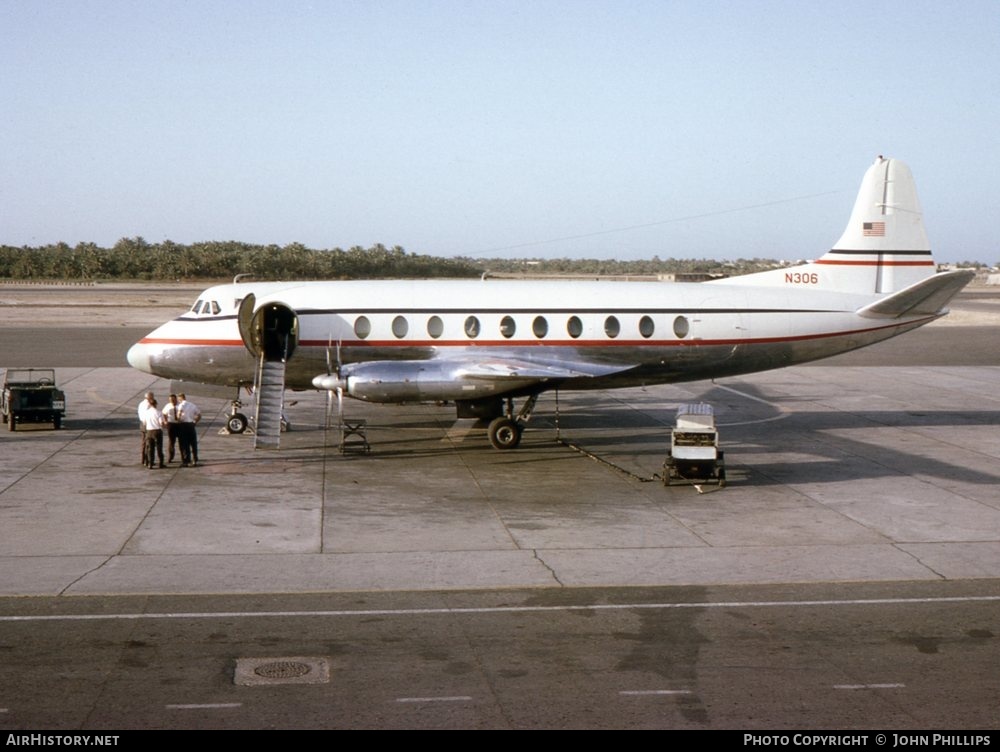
{"x": 152, "y": 418}
{"x": 170, "y": 417}
{"x": 188, "y": 416}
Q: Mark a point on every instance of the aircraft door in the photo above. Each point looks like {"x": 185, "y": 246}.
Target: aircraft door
{"x": 244, "y": 319}
{"x": 272, "y": 331}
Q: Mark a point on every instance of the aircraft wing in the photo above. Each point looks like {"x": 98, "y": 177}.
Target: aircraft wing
{"x": 465, "y": 376}
{"x": 504, "y": 367}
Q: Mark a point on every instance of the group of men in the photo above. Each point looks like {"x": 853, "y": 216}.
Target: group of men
{"x": 180, "y": 418}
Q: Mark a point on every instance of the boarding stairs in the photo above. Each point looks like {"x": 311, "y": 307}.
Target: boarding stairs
{"x": 270, "y": 403}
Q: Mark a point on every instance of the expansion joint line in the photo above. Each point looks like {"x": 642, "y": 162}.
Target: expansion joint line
{"x": 587, "y": 453}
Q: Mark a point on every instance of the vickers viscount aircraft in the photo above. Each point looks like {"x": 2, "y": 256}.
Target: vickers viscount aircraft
{"x": 484, "y": 343}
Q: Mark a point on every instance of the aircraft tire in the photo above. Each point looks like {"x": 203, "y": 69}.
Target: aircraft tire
{"x": 504, "y": 433}
{"x": 237, "y": 423}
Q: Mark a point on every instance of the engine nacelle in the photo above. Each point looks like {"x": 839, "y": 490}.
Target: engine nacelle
{"x": 404, "y": 381}
{"x": 415, "y": 381}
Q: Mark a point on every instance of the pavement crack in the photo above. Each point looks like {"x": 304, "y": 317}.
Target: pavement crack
{"x": 545, "y": 564}
{"x": 919, "y": 561}
{"x": 84, "y": 575}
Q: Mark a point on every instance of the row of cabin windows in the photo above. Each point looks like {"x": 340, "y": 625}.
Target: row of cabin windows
{"x": 508, "y": 327}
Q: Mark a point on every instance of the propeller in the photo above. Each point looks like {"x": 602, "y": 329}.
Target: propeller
{"x": 332, "y": 382}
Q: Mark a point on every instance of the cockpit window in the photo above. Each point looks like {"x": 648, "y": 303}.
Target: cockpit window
{"x": 207, "y": 307}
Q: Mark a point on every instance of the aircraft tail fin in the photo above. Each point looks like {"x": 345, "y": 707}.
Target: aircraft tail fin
{"x": 884, "y": 248}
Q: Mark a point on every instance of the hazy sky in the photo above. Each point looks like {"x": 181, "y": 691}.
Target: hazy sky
{"x": 718, "y": 129}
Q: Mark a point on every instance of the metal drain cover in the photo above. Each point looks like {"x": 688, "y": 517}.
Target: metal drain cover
{"x": 284, "y": 670}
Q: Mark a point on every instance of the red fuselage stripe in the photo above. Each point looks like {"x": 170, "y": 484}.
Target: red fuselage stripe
{"x": 589, "y": 343}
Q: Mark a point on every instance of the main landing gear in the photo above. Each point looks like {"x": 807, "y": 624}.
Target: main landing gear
{"x": 505, "y": 431}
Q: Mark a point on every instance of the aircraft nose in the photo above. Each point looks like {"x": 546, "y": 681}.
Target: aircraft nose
{"x": 138, "y": 357}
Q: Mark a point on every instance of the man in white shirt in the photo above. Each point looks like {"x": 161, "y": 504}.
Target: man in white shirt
{"x": 172, "y": 419}
{"x": 188, "y": 416}
{"x": 141, "y": 412}
{"x": 153, "y": 421}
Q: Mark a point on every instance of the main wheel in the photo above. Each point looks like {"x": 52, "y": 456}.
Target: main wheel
{"x": 237, "y": 423}
{"x": 504, "y": 433}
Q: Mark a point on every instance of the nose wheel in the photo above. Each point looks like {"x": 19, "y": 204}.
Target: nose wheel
{"x": 236, "y": 422}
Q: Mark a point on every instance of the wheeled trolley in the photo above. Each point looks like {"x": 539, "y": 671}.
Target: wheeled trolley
{"x": 694, "y": 448}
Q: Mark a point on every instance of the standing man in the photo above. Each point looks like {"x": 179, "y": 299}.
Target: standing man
{"x": 171, "y": 418}
{"x": 141, "y": 411}
{"x": 153, "y": 420}
{"x": 188, "y": 416}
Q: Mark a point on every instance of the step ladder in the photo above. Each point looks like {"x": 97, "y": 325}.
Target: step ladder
{"x": 270, "y": 402}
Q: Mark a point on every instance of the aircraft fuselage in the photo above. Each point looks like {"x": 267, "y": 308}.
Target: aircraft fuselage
{"x": 639, "y": 332}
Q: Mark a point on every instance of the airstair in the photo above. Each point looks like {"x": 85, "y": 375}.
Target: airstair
{"x": 270, "y": 402}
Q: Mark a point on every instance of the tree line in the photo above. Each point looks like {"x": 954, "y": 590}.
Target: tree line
{"x": 137, "y": 259}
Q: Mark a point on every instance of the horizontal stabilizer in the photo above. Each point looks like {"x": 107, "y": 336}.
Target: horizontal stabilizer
{"x": 929, "y": 297}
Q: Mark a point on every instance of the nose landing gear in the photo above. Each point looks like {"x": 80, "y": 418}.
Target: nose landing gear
{"x": 237, "y": 422}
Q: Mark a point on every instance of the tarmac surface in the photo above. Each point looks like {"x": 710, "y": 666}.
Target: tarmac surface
{"x": 847, "y": 477}
{"x": 838, "y": 471}
{"x": 888, "y": 656}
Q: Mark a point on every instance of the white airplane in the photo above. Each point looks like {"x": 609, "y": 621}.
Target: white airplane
{"x": 483, "y": 343}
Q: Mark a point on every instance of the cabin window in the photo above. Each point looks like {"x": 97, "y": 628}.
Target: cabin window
{"x": 435, "y": 326}
{"x": 612, "y": 327}
{"x": 646, "y": 327}
{"x": 681, "y": 327}
{"x": 540, "y": 327}
{"x": 362, "y": 327}
{"x": 574, "y": 326}
{"x": 400, "y": 326}
{"x": 507, "y": 326}
{"x": 472, "y": 327}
